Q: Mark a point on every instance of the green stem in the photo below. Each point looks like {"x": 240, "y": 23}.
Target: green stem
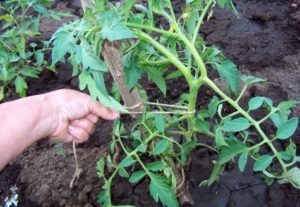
{"x": 169, "y": 55}
{"x": 155, "y": 62}
{"x": 200, "y": 21}
{"x": 242, "y": 93}
{"x": 247, "y": 116}
{"x": 153, "y": 29}
{"x": 170, "y": 139}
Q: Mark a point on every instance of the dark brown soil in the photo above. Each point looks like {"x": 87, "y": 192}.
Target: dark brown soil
{"x": 263, "y": 41}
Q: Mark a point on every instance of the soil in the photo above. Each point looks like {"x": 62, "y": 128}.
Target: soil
{"x": 264, "y": 41}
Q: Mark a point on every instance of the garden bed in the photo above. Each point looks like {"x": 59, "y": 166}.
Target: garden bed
{"x": 263, "y": 42}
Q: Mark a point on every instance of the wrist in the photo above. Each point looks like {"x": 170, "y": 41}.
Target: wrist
{"x": 45, "y": 117}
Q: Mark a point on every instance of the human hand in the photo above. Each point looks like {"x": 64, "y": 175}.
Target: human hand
{"x": 75, "y": 115}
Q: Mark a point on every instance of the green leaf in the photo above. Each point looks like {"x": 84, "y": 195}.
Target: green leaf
{"x": 85, "y": 80}
{"x": 64, "y": 42}
{"x": 142, "y": 148}
{"x": 39, "y": 56}
{"x": 248, "y": 80}
{"x": 213, "y": 105}
{"x": 104, "y": 197}
{"x": 7, "y": 17}
{"x": 21, "y": 86}
{"x": 186, "y": 150}
{"x": 128, "y": 161}
{"x": 219, "y": 137}
{"x": 262, "y": 163}
{"x": 161, "y": 191}
{"x": 100, "y": 167}
{"x": 173, "y": 75}
{"x": 229, "y": 73}
{"x": 160, "y": 147}
{"x": 243, "y": 160}
{"x": 1, "y": 93}
{"x": 202, "y": 125}
{"x": 159, "y": 122}
{"x": 137, "y": 135}
{"x": 255, "y": 103}
{"x": 30, "y": 72}
{"x": 123, "y": 173}
{"x": 157, "y": 5}
{"x": 113, "y": 28}
{"x": 292, "y": 177}
{"x": 137, "y": 176}
{"x": 229, "y": 4}
{"x": 233, "y": 148}
{"x": 157, "y": 77}
{"x": 100, "y": 82}
{"x": 90, "y": 59}
{"x": 287, "y": 129}
{"x": 155, "y": 166}
{"x": 276, "y": 119}
{"x": 215, "y": 174}
{"x": 132, "y": 71}
{"x": 236, "y": 125}
{"x": 126, "y": 7}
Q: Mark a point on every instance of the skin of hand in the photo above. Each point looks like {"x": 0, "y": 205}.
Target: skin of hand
{"x": 63, "y": 115}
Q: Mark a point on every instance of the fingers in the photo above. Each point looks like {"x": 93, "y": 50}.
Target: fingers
{"x": 103, "y": 112}
{"x": 85, "y": 124}
{"x": 78, "y": 133}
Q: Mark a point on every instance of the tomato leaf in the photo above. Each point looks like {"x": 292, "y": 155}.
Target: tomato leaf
{"x": 21, "y": 86}
{"x": 236, "y": 125}
{"x": 159, "y": 122}
{"x": 186, "y": 150}
{"x": 155, "y": 166}
{"x": 128, "y": 161}
{"x": 287, "y": 129}
{"x": 113, "y": 28}
{"x": 161, "y": 191}
{"x": 213, "y": 105}
{"x": 136, "y": 176}
{"x": 160, "y": 147}
{"x": 262, "y": 163}
{"x": 100, "y": 167}
{"x": 255, "y": 103}
{"x": 243, "y": 161}
{"x": 229, "y": 151}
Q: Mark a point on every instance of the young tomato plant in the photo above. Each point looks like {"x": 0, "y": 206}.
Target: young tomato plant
{"x": 159, "y": 144}
{"x": 19, "y": 22}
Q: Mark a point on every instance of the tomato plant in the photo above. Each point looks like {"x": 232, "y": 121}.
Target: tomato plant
{"x": 151, "y": 149}
{"x": 19, "y": 22}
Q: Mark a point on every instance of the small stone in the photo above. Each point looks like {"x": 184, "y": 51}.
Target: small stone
{"x": 88, "y": 205}
{"x": 82, "y": 197}
{"x": 88, "y": 188}
{"x": 66, "y": 194}
{"x": 62, "y": 202}
{"x": 294, "y": 5}
{"x": 44, "y": 190}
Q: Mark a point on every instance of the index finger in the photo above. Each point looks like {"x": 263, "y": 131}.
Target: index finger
{"x": 103, "y": 112}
